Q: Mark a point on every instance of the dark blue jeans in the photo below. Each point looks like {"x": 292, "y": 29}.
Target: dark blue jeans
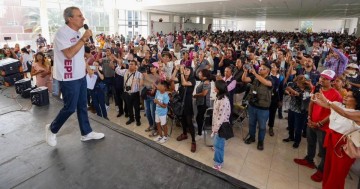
{"x": 258, "y": 116}
{"x": 150, "y": 110}
{"x": 74, "y": 97}
{"x": 98, "y": 99}
{"x": 110, "y": 90}
{"x": 296, "y": 123}
{"x": 314, "y": 136}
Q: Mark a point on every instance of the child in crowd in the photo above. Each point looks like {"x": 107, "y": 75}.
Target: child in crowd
{"x": 339, "y": 85}
{"x": 161, "y": 100}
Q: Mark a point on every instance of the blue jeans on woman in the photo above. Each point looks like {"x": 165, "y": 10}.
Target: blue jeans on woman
{"x": 74, "y": 96}
{"x": 98, "y": 99}
{"x": 219, "y": 146}
{"x": 257, "y": 115}
{"x": 150, "y": 110}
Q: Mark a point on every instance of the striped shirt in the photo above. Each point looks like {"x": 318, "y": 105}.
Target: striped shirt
{"x": 130, "y": 79}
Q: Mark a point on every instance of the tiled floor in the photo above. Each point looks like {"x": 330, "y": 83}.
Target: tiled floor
{"x": 271, "y": 168}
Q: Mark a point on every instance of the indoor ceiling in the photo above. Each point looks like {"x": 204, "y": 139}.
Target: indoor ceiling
{"x": 237, "y": 9}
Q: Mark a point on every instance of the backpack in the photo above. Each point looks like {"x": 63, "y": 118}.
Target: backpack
{"x": 177, "y": 103}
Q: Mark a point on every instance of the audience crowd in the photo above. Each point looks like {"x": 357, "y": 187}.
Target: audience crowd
{"x": 317, "y": 72}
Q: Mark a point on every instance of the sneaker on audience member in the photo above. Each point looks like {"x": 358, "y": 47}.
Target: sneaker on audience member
{"x": 92, "y": 136}
{"x": 157, "y": 139}
{"x": 217, "y": 167}
{"x": 199, "y": 137}
{"x": 49, "y": 136}
{"x": 317, "y": 176}
{"x": 163, "y": 139}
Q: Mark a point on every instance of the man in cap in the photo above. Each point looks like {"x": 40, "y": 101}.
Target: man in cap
{"x": 352, "y": 75}
{"x": 318, "y": 124}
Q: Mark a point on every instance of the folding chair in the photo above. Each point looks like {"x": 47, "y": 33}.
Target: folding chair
{"x": 242, "y": 115}
{"x": 207, "y": 126}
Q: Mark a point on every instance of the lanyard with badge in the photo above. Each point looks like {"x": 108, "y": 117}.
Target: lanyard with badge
{"x": 128, "y": 87}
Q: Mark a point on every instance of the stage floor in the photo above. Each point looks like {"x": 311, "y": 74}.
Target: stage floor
{"x": 123, "y": 159}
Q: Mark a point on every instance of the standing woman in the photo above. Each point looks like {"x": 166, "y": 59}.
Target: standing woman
{"x": 150, "y": 82}
{"x": 26, "y": 60}
{"x": 221, "y": 114}
{"x": 186, "y": 84}
{"x": 337, "y": 162}
{"x": 300, "y": 93}
{"x": 42, "y": 71}
{"x": 275, "y": 76}
{"x": 185, "y": 60}
{"x": 202, "y": 97}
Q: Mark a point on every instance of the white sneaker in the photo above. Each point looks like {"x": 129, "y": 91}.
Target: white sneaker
{"x": 164, "y": 139}
{"x": 157, "y": 139}
{"x": 199, "y": 137}
{"x": 107, "y": 107}
{"x": 49, "y": 136}
{"x": 92, "y": 135}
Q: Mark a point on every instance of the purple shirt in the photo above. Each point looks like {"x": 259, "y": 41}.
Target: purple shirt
{"x": 337, "y": 65}
{"x": 232, "y": 85}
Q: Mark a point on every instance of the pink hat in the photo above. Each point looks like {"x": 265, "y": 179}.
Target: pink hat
{"x": 328, "y": 74}
{"x": 155, "y": 64}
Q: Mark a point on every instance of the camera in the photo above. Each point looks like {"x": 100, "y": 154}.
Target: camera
{"x": 253, "y": 96}
{"x": 144, "y": 69}
{"x": 248, "y": 66}
{"x": 128, "y": 88}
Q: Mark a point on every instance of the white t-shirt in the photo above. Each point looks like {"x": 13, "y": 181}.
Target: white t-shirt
{"x": 339, "y": 123}
{"x": 68, "y": 69}
{"x": 26, "y": 58}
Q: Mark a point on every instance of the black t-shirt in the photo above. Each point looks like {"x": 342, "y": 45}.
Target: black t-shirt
{"x": 188, "y": 107}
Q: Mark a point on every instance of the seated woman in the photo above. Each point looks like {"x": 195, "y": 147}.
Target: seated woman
{"x": 42, "y": 70}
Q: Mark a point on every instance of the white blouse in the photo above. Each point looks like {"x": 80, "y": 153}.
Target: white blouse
{"x": 339, "y": 123}
{"x": 221, "y": 113}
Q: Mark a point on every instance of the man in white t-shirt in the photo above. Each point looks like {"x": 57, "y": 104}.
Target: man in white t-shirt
{"x": 69, "y": 70}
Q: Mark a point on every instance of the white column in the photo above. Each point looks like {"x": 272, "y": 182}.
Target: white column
{"x": 109, "y": 6}
{"x": 44, "y": 21}
{"x": 358, "y": 28}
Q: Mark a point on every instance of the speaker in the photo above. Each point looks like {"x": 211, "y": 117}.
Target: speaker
{"x": 10, "y": 80}
{"x": 21, "y": 85}
{"x": 10, "y": 66}
{"x": 26, "y": 93}
{"x": 40, "y": 96}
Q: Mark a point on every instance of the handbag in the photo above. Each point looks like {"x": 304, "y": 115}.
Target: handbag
{"x": 352, "y": 145}
{"x": 226, "y": 131}
{"x": 178, "y": 103}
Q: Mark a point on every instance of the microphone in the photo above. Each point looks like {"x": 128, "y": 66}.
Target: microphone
{"x": 86, "y": 27}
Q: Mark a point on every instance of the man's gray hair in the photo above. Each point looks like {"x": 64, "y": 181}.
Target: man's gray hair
{"x": 68, "y": 12}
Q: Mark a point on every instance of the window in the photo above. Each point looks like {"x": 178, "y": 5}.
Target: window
{"x": 260, "y": 26}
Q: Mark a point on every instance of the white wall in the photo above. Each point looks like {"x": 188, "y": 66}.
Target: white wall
{"x": 353, "y": 25}
{"x": 193, "y": 26}
{"x": 206, "y": 24}
{"x": 165, "y": 27}
{"x": 289, "y": 25}
{"x": 248, "y": 25}
{"x": 282, "y": 25}
{"x": 332, "y": 25}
